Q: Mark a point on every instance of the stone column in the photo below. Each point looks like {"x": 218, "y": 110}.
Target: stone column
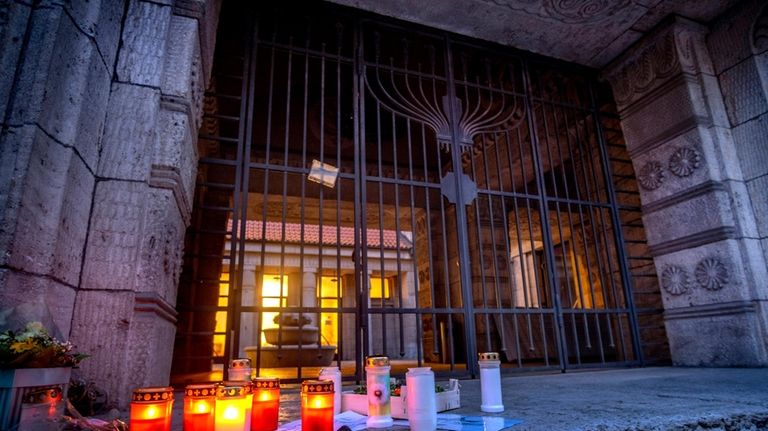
{"x": 410, "y": 321}
{"x": 56, "y": 65}
{"x": 124, "y": 313}
{"x": 309, "y": 294}
{"x": 248, "y": 319}
{"x": 349, "y": 327}
{"x": 699, "y": 220}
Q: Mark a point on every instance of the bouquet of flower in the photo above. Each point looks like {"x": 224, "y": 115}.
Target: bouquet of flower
{"x": 34, "y": 347}
{"x": 395, "y": 388}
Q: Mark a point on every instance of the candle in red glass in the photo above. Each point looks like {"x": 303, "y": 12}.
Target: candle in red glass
{"x": 199, "y": 402}
{"x": 317, "y": 405}
{"x": 151, "y": 409}
{"x": 266, "y": 404}
{"x": 41, "y": 409}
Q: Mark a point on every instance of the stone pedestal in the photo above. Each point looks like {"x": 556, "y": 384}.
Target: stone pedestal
{"x": 700, "y": 222}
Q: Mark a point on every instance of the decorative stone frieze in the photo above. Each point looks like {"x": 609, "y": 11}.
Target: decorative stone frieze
{"x": 567, "y": 11}
{"x": 671, "y": 51}
{"x": 709, "y": 273}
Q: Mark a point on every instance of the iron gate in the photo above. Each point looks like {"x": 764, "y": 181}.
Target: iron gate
{"x": 369, "y": 187}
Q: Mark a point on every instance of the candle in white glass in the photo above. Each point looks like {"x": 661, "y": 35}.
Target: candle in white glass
{"x": 333, "y": 374}
{"x": 377, "y": 381}
{"x": 420, "y": 399}
{"x": 490, "y": 383}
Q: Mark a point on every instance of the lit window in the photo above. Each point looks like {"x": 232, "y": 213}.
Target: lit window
{"x": 379, "y": 288}
{"x": 274, "y": 293}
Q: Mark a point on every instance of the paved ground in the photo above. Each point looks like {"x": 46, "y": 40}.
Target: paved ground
{"x": 656, "y": 398}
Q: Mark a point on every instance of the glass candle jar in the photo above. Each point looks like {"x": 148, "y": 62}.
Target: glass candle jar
{"x": 377, "y": 382}
{"x": 333, "y": 374}
{"x": 151, "y": 409}
{"x": 317, "y": 405}
{"x": 239, "y": 370}
{"x": 420, "y": 399}
{"x": 199, "y": 407}
{"x": 42, "y": 409}
{"x": 266, "y": 404}
{"x": 490, "y": 382}
{"x": 234, "y": 401}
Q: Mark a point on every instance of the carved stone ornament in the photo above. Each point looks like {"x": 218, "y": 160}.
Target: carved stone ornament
{"x": 674, "y": 280}
{"x": 583, "y": 11}
{"x": 670, "y": 52}
{"x": 684, "y": 161}
{"x": 651, "y": 175}
{"x": 712, "y": 274}
{"x": 567, "y": 11}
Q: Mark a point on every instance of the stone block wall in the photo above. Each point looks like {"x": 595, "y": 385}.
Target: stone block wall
{"x": 101, "y": 106}
{"x": 683, "y": 92}
{"x": 739, "y": 43}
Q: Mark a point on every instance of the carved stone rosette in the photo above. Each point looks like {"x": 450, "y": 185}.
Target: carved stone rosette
{"x": 684, "y": 161}
{"x": 674, "y": 280}
{"x": 651, "y": 175}
{"x": 712, "y": 274}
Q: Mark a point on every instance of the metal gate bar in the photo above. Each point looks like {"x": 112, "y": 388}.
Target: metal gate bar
{"x": 474, "y": 182}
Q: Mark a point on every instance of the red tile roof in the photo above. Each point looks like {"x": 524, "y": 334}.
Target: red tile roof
{"x": 330, "y": 235}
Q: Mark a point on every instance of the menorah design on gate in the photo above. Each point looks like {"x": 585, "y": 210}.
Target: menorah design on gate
{"x": 487, "y": 104}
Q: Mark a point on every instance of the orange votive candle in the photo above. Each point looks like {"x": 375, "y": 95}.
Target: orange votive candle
{"x": 317, "y": 405}
{"x": 266, "y": 404}
{"x": 233, "y": 406}
{"x": 151, "y": 409}
{"x": 199, "y": 407}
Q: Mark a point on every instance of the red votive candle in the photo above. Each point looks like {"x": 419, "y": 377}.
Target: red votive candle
{"x": 317, "y": 405}
{"x": 199, "y": 403}
{"x": 151, "y": 409}
{"x": 266, "y": 404}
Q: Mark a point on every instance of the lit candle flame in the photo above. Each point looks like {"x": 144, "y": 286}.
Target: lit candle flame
{"x": 151, "y": 412}
{"x": 231, "y": 413}
{"x": 202, "y": 407}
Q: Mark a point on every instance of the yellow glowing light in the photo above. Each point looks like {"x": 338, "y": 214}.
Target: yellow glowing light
{"x": 231, "y": 413}
{"x": 318, "y": 402}
{"x": 151, "y": 412}
{"x": 202, "y": 407}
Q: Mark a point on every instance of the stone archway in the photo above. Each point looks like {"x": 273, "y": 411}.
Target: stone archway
{"x": 101, "y": 104}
